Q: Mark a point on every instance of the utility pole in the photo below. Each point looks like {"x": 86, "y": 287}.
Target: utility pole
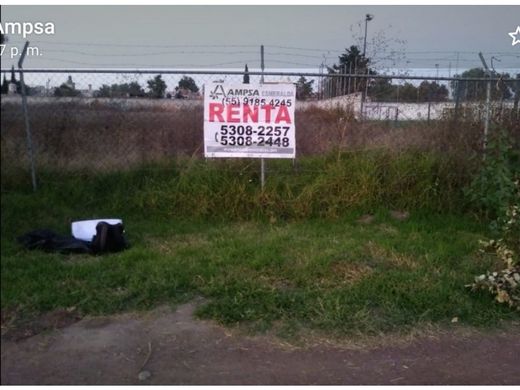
{"x": 368, "y": 18}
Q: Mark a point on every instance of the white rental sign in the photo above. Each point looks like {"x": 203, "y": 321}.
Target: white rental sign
{"x": 243, "y": 120}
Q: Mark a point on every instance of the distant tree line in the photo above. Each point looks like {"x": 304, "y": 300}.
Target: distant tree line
{"x": 132, "y": 89}
{"x": 156, "y": 89}
{"x": 476, "y": 90}
{"x": 383, "y": 90}
{"x": 353, "y": 63}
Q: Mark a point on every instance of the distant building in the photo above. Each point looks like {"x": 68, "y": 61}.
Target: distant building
{"x": 5, "y": 86}
{"x": 87, "y": 92}
{"x": 70, "y": 83}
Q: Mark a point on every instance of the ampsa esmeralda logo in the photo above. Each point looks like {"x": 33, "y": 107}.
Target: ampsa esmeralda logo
{"x": 218, "y": 93}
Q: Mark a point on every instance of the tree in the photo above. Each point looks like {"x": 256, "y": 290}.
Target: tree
{"x": 65, "y": 90}
{"x": 5, "y": 86}
{"x": 516, "y": 88}
{"x": 246, "y": 75}
{"x": 407, "y": 93}
{"x": 157, "y": 87}
{"x": 104, "y": 92}
{"x": 188, "y": 83}
{"x": 476, "y": 90}
{"x": 432, "y": 92}
{"x": 132, "y": 89}
{"x": 350, "y": 62}
{"x": 354, "y": 61}
{"x": 303, "y": 88}
{"x": 382, "y": 90}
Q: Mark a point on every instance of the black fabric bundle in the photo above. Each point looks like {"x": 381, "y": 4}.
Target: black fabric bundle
{"x": 108, "y": 238}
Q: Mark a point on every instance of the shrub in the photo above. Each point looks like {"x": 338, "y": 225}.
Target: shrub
{"x": 492, "y": 190}
{"x": 505, "y": 284}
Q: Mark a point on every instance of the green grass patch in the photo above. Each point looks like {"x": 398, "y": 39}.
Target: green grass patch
{"x": 294, "y": 254}
{"x": 322, "y": 187}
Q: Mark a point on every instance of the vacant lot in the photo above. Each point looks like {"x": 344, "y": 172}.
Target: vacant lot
{"x": 113, "y": 135}
{"x": 355, "y": 274}
{"x": 340, "y": 247}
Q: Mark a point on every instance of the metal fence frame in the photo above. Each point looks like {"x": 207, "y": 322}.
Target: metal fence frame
{"x": 320, "y": 76}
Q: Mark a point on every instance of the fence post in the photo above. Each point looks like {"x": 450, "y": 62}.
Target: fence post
{"x": 262, "y": 161}
{"x": 429, "y": 102}
{"x": 457, "y": 101}
{"x": 488, "y": 102}
{"x": 364, "y": 92}
{"x": 349, "y": 77}
{"x": 26, "y": 117}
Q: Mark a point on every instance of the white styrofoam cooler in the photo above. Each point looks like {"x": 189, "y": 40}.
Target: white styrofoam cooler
{"x": 86, "y": 230}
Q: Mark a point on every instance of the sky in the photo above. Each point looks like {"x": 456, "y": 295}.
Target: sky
{"x": 294, "y": 37}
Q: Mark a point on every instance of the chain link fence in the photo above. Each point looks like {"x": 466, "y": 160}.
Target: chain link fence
{"x": 106, "y": 120}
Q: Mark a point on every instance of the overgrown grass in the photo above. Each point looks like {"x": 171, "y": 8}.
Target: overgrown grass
{"x": 309, "y": 187}
{"x": 293, "y": 254}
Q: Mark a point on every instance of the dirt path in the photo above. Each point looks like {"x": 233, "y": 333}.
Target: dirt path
{"x": 114, "y": 350}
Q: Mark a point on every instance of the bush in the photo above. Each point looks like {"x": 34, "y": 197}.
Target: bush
{"x": 493, "y": 188}
{"x": 495, "y": 192}
{"x": 505, "y": 284}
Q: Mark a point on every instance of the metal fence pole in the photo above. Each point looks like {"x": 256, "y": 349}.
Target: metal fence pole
{"x": 365, "y": 95}
{"x": 262, "y": 161}
{"x": 349, "y": 77}
{"x": 488, "y": 103}
{"x": 30, "y": 147}
{"x": 429, "y": 102}
{"x": 457, "y": 100}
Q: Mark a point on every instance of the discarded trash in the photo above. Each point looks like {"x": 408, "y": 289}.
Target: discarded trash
{"x": 49, "y": 241}
{"x": 106, "y": 238}
{"x": 86, "y": 230}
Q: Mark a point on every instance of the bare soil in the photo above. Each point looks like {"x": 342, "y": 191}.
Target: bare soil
{"x": 171, "y": 347}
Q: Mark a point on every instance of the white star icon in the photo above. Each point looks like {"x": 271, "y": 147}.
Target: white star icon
{"x": 516, "y": 36}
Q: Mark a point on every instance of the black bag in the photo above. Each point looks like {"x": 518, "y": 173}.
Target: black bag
{"x": 49, "y": 241}
{"x": 108, "y": 238}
